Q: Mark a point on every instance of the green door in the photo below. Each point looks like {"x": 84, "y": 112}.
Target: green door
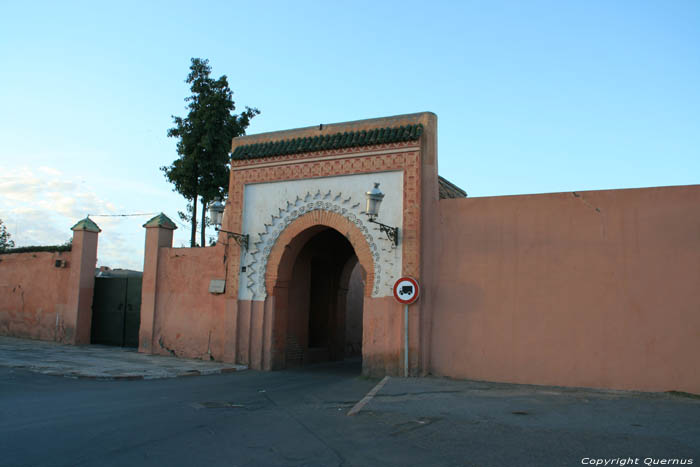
{"x": 132, "y": 318}
{"x": 116, "y": 311}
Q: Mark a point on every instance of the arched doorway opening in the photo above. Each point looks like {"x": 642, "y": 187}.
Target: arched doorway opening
{"x": 319, "y": 294}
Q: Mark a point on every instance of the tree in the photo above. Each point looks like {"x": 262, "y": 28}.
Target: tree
{"x": 201, "y": 170}
{"x": 5, "y": 242}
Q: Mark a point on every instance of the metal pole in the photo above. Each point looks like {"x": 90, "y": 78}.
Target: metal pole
{"x": 405, "y": 341}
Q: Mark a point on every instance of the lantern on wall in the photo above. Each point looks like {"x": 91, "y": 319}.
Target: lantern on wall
{"x": 216, "y": 215}
{"x": 374, "y": 200}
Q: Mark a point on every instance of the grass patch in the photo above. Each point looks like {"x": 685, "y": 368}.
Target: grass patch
{"x": 684, "y": 394}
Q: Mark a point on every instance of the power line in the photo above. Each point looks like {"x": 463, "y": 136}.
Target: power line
{"x": 139, "y": 214}
{"x": 142, "y": 214}
{"x": 124, "y": 215}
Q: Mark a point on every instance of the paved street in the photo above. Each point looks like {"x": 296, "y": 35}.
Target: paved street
{"x": 298, "y": 417}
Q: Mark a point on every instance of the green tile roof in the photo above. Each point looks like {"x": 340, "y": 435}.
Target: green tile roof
{"x": 161, "y": 220}
{"x": 335, "y": 141}
{"x": 86, "y": 224}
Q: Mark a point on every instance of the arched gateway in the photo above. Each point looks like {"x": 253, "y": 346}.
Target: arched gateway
{"x": 300, "y": 196}
{"x": 308, "y": 274}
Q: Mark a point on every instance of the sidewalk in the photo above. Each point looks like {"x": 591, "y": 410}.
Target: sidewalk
{"x": 100, "y": 361}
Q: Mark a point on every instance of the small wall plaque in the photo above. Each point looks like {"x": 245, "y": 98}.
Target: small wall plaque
{"x": 217, "y": 286}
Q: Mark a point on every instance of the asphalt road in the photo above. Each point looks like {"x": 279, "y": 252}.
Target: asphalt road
{"x": 295, "y": 418}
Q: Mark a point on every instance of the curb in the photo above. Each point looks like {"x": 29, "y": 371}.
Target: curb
{"x": 185, "y": 374}
{"x": 127, "y": 377}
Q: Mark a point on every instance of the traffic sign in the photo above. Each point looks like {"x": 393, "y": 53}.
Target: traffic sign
{"x": 406, "y": 290}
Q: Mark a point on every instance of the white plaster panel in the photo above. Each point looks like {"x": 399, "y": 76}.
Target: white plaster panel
{"x": 269, "y": 207}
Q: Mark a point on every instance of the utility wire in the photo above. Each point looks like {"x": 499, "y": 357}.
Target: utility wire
{"x": 142, "y": 214}
{"x": 124, "y": 215}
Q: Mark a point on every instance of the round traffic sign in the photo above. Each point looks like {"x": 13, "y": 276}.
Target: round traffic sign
{"x": 406, "y": 290}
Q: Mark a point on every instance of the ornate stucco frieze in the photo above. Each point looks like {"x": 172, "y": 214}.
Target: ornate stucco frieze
{"x": 289, "y": 210}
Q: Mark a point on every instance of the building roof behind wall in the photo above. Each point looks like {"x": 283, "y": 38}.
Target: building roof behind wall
{"x": 449, "y": 190}
{"x": 338, "y": 140}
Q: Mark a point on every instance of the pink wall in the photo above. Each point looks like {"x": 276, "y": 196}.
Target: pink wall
{"x": 593, "y": 289}
{"x": 41, "y": 301}
{"x": 381, "y": 336}
{"x": 188, "y": 318}
{"x": 33, "y": 293}
{"x": 180, "y": 316}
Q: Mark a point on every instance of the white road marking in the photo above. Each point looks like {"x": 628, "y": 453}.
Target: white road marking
{"x": 368, "y": 397}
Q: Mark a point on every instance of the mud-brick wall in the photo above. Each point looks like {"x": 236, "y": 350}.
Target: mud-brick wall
{"x": 189, "y": 320}
{"x": 34, "y": 294}
{"x": 594, "y": 289}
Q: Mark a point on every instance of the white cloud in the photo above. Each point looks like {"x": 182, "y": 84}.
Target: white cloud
{"x": 39, "y": 206}
{"x": 50, "y": 171}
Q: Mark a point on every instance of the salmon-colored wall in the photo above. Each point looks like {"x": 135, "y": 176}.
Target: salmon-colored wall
{"x": 188, "y": 319}
{"x": 593, "y": 289}
{"x": 41, "y": 301}
{"x": 382, "y": 327}
{"x": 252, "y": 339}
{"x": 33, "y": 294}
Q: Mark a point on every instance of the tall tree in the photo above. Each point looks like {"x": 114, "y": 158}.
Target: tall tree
{"x": 201, "y": 171}
{"x": 5, "y": 242}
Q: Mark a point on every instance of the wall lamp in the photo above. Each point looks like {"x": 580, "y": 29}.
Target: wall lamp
{"x": 374, "y": 199}
{"x": 216, "y": 214}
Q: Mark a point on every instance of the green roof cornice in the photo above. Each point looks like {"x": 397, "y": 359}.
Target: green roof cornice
{"x": 162, "y": 221}
{"x": 335, "y": 141}
{"x": 86, "y": 224}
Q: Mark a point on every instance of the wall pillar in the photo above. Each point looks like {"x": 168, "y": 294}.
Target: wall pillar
{"x": 230, "y": 329}
{"x": 420, "y": 319}
{"x": 159, "y": 234}
{"x": 77, "y": 319}
{"x": 257, "y": 333}
{"x": 268, "y": 323}
{"x": 243, "y": 332}
{"x": 278, "y": 302}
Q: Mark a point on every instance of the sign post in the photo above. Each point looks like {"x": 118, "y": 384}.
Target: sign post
{"x": 406, "y": 291}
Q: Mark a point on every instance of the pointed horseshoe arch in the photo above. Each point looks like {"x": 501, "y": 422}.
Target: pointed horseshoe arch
{"x": 281, "y": 258}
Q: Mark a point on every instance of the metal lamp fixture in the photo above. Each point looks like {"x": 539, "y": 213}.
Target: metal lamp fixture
{"x": 216, "y": 214}
{"x": 374, "y": 200}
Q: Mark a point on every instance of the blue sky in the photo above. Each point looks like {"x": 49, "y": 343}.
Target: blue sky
{"x": 531, "y": 97}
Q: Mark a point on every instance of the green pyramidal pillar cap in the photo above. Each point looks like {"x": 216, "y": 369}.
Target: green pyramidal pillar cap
{"x": 86, "y": 224}
{"x": 162, "y": 221}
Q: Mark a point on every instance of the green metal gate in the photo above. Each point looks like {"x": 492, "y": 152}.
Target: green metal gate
{"x": 116, "y": 311}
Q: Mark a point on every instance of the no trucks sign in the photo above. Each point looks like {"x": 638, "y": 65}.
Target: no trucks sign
{"x": 406, "y": 290}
